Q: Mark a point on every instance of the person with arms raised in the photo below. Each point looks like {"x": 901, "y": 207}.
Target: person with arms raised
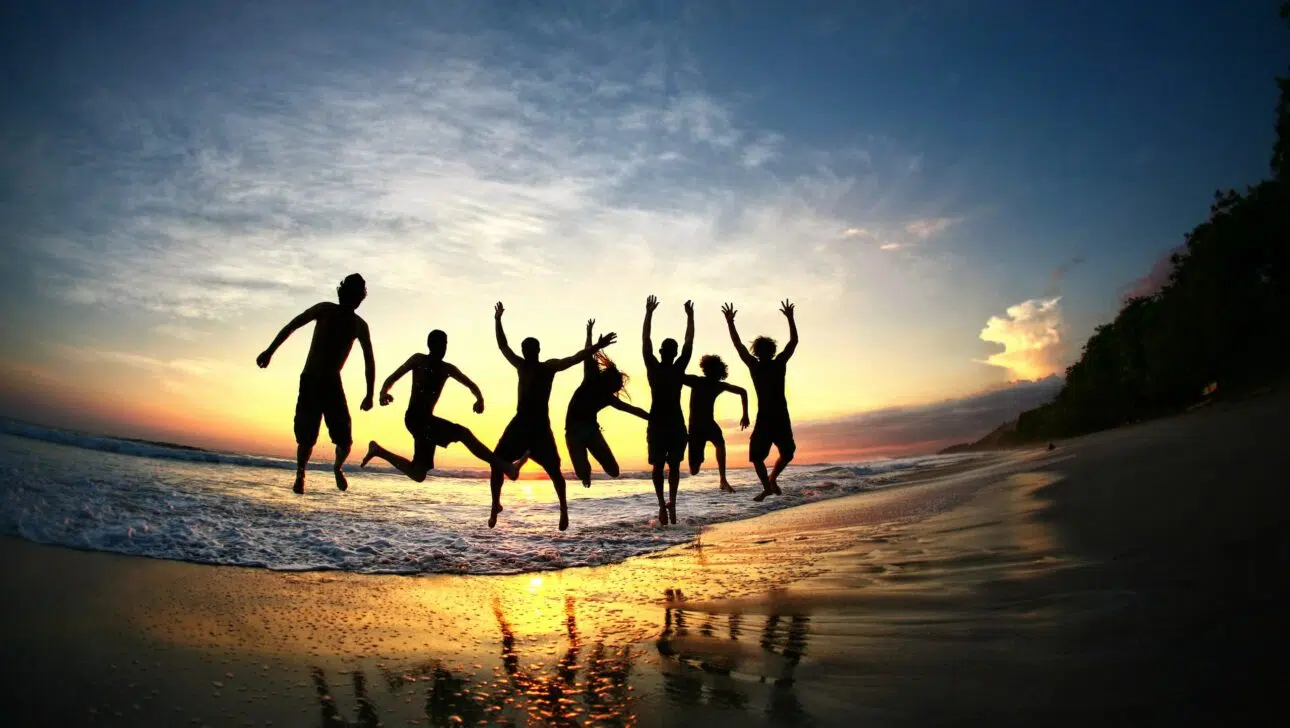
{"x": 704, "y": 391}
{"x": 773, "y": 426}
{"x": 529, "y": 433}
{"x": 429, "y": 373}
{"x": 665, "y": 435}
{"x": 602, "y": 381}
{"x": 321, "y": 396}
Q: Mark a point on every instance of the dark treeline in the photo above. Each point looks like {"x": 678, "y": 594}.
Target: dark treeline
{"x": 1223, "y": 316}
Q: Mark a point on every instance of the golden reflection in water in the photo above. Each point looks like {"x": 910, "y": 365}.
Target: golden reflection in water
{"x": 590, "y": 683}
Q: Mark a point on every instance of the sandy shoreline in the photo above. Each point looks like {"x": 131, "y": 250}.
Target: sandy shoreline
{"x": 1131, "y": 576}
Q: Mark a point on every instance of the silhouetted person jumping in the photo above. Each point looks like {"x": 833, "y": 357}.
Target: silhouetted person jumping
{"x": 704, "y": 391}
{"x": 773, "y": 426}
{"x": 321, "y": 393}
{"x": 601, "y": 383}
{"x": 529, "y": 432}
{"x": 665, "y": 435}
{"x": 429, "y": 373}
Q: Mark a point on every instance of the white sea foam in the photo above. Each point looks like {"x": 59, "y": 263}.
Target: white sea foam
{"x": 96, "y": 493}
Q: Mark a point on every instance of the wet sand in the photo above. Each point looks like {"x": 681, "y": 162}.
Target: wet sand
{"x": 1131, "y": 577}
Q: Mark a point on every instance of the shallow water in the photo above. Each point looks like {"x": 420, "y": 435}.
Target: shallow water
{"x": 88, "y": 493}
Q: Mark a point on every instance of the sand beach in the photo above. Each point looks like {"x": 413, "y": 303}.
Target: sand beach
{"x": 1131, "y": 577}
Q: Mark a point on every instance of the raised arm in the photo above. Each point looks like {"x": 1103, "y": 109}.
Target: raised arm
{"x": 309, "y": 314}
{"x": 560, "y": 365}
{"x": 729, "y": 311}
{"x": 687, "y": 348}
{"x": 647, "y": 346}
{"x": 632, "y": 409}
{"x": 743, "y": 397}
{"x": 501, "y": 337}
{"x": 786, "y": 308}
{"x": 369, "y": 362}
{"x": 589, "y": 368}
{"x": 455, "y": 373}
{"x": 396, "y": 375}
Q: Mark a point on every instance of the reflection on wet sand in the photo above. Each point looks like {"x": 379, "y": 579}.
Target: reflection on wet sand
{"x": 705, "y": 662}
{"x": 590, "y": 692}
{"x": 708, "y": 669}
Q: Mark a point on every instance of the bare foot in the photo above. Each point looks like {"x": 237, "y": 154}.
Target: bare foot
{"x": 762, "y": 495}
{"x": 586, "y": 483}
{"x": 671, "y": 512}
{"x": 662, "y": 515}
{"x": 372, "y": 447}
{"x": 774, "y": 487}
{"x": 341, "y": 483}
{"x": 492, "y": 518}
{"x": 299, "y": 487}
{"x": 564, "y": 519}
{"x": 727, "y": 487}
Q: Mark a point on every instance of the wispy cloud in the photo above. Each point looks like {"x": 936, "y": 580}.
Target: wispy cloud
{"x": 1156, "y": 278}
{"x": 442, "y": 165}
{"x": 1032, "y": 336}
{"x": 190, "y": 367}
{"x": 927, "y": 227}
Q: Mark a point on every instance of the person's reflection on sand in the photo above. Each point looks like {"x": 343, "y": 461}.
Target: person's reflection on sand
{"x": 708, "y": 667}
{"x": 552, "y": 700}
{"x": 784, "y": 702}
{"x": 449, "y": 701}
{"x": 367, "y": 716}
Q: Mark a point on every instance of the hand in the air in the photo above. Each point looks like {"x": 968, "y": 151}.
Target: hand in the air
{"x": 729, "y": 311}
{"x": 498, "y": 310}
{"x": 651, "y": 303}
{"x": 689, "y": 308}
{"x": 606, "y": 340}
{"x": 786, "y": 308}
{"x": 590, "y": 323}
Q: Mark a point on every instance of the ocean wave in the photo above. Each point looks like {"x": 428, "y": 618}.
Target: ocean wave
{"x": 228, "y": 513}
{"x": 180, "y": 453}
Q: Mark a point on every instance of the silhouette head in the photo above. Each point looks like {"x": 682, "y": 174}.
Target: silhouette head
{"x": 352, "y": 291}
{"x": 667, "y": 350}
{"x": 437, "y": 342}
{"x": 713, "y": 367}
{"x": 530, "y": 347}
{"x": 763, "y": 347}
{"x": 611, "y": 379}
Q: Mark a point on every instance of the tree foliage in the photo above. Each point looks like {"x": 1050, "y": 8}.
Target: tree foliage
{"x": 1223, "y": 317}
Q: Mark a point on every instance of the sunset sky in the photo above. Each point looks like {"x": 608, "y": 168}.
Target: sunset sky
{"x": 954, "y": 194}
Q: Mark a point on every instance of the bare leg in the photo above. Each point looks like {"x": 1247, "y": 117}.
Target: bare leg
{"x": 599, "y": 449}
{"x": 342, "y": 452}
{"x": 780, "y": 464}
{"x": 481, "y": 451}
{"x": 766, "y": 487}
{"x": 673, "y": 482}
{"x": 302, "y": 460}
{"x": 415, "y": 471}
{"x": 495, "y": 484}
{"x": 578, "y": 457}
{"x": 658, "y": 489}
{"x": 557, "y": 480}
{"x": 720, "y": 448}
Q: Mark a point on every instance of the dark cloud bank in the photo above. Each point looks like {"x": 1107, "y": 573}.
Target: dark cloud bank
{"x": 925, "y": 428}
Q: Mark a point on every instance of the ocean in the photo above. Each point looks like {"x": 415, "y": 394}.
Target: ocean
{"x": 107, "y": 494}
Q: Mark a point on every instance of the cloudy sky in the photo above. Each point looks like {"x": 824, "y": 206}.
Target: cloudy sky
{"x": 954, "y": 194}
